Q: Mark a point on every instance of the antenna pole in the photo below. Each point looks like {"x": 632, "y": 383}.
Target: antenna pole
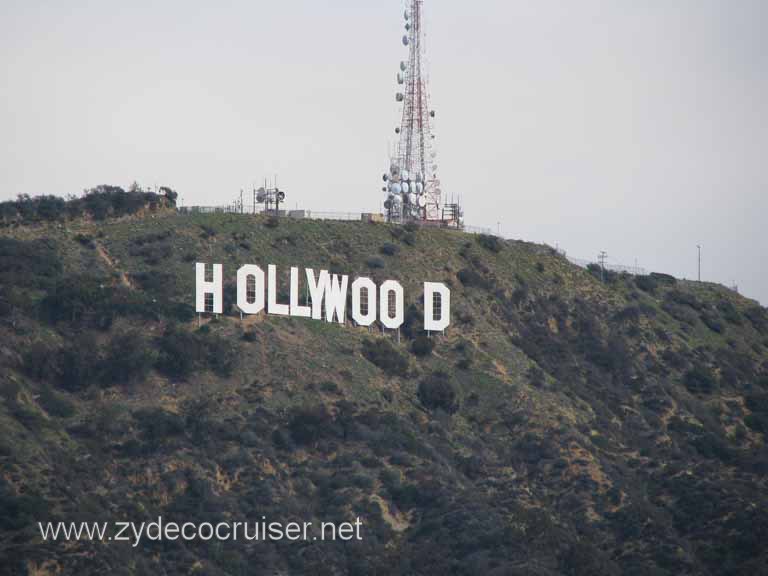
{"x": 699, "y": 248}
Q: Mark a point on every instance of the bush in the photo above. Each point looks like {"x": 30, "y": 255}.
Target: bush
{"x": 55, "y": 404}
{"x": 383, "y": 354}
{"x": 158, "y": 425}
{"x": 700, "y": 380}
{"x": 309, "y": 425}
{"x": 101, "y": 202}
{"x": 491, "y": 243}
{"x": 470, "y": 278}
{"x": 437, "y": 392}
{"x": 646, "y": 284}
{"x": 758, "y": 316}
{"x": 85, "y": 241}
{"x": 79, "y": 363}
{"x": 221, "y": 354}
{"x": 129, "y": 359}
{"x": 34, "y": 263}
{"x": 272, "y": 222}
{"x": 374, "y": 263}
{"x": 39, "y": 361}
{"x": 178, "y": 353}
{"x": 389, "y": 249}
{"x": 713, "y": 322}
{"x": 422, "y": 345}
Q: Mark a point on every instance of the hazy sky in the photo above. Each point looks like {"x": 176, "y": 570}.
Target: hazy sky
{"x": 639, "y": 127}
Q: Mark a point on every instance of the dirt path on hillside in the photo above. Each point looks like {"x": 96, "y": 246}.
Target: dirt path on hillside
{"x": 104, "y": 255}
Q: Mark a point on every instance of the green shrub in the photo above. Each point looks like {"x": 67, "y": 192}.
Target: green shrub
{"x": 178, "y": 353}
{"x": 684, "y": 299}
{"x": 383, "y": 354}
{"x": 55, "y": 404}
{"x": 308, "y": 425}
{"x": 663, "y": 279}
{"x": 491, "y": 243}
{"x": 33, "y": 263}
{"x": 758, "y": 316}
{"x": 471, "y": 278}
{"x": 374, "y": 263}
{"x": 436, "y": 391}
{"x": 181, "y": 353}
{"x": 646, "y": 284}
{"x": 729, "y": 312}
{"x": 389, "y": 249}
{"x": 422, "y": 345}
{"x": 129, "y": 359}
{"x": 79, "y": 363}
{"x": 712, "y": 322}
{"x": 158, "y": 426}
{"x": 85, "y": 241}
{"x": 39, "y": 361}
{"x": 700, "y": 380}
{"x": 272, "y": 222}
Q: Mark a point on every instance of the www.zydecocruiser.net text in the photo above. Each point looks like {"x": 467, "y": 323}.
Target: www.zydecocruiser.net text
{"x": 261, "y": 530}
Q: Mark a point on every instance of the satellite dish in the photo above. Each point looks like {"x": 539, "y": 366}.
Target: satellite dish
{"x": 408, "y": 26}
{"x": 406, "y": 15}
{"x": 397, "y": 130}
{"x": 432, "y": 113}
{"x": 400, "y": 97}
{"x": 419, "y": 178}
{"x": 413, "y": 199}
{"x": 393, "y": 169}
{"x": 387, "y": 204}
{"x": 422, "y": 201}
{"x": 385, "y": 177}
{"x": 405, "y": 175}
{"x": 261, "y": 196}
{"x": 400, "y": 78}
{"x": 405, "y": 187}
{"x": 384, "y": 189}
{"x": 406, "y": 41}
{"x": 395, "y": 188}
{"x": 280, "y": 195}
{"x": 419, "y": 187}
{"x": 403, "y": 66}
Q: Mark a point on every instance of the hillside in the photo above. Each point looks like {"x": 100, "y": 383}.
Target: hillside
{"x": 561, "y": 425}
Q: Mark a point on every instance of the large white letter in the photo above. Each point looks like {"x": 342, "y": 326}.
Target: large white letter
{"x": 296, "y": 309}
{"x": 317, "y": 291}
{"x": 336, "y": 299}
{"x": 272, "y": 306}
{"x": 432, "y": 289}
{"x": 213, "y": 287}
{"x": 391, "y": 322}
{"x": 246, "y": 272}
{"x": 370, "y": 290}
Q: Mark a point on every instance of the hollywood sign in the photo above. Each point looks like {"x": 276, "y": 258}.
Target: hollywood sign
{"x": 328, "y": 295}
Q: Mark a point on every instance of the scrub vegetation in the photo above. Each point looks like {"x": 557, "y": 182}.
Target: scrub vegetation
{"x": 563, "y": 424}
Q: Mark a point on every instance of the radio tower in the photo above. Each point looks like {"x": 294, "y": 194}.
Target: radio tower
{"x": 411, "y": 184}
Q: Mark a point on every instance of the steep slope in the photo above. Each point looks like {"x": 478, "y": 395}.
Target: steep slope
{"x": 562, "y": 425}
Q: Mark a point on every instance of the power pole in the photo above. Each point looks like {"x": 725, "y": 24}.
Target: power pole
{"x": 699, "y": 247}
{"x": 602, "y": 257}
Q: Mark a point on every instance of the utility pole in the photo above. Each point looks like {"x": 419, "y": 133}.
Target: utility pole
{"x": 602, "y": 257}
{"x": 699, "y": 247}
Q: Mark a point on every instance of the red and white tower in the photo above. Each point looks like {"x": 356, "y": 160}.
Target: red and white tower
{"x": 411, "y": 184}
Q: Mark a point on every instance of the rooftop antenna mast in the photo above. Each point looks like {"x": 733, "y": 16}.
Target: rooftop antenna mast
{"x": 411, "y": 184}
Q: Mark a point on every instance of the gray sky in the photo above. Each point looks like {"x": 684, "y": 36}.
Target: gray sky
{"x": 639, "y": 127}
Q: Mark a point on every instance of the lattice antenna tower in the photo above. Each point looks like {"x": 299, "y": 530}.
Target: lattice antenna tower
{"x": 411, "y": 184}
